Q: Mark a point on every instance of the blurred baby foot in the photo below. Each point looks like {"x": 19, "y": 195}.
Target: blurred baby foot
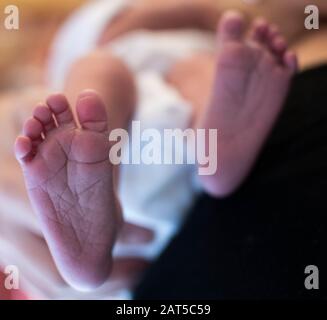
{"x": 253, "y": 74}
{"x": 70, "y": 185}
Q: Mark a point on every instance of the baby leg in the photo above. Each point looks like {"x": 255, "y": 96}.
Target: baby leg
{"x": 111, "y": 79}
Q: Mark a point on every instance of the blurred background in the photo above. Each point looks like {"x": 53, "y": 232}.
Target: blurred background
{"x": 23, "y": 51}
{"x": 23, "y": 55}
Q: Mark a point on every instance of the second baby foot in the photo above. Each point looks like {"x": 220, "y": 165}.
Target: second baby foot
{"x": 70, "y": 184}
{"x": 252, "y": 79}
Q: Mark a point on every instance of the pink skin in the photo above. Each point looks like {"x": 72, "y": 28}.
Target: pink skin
{"x": 70, "y": 179}
{"x": 70, "y": 184}
{"x": 252, "y": 79}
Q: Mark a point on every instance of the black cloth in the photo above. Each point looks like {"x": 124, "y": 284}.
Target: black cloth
{"x": 256, "y": 243}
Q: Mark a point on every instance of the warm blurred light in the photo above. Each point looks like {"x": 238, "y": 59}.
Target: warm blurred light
{"x": 39, "y": 20}
{"x": 42, "y": 6}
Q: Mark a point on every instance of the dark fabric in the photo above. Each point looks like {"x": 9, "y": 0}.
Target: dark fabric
{"x": 257, "y": 243}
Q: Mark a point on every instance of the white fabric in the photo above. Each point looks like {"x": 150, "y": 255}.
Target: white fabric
{"x": 155, "y": 197}
{"x": 79, "y": 35}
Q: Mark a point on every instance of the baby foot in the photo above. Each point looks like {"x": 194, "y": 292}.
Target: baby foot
{"x": 70, "y": 184}
{"x": 253, "y": 74}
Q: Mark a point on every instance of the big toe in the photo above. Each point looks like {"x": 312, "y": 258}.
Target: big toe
{"x": 231, "y": 26}
{"x": 91, "y": 112}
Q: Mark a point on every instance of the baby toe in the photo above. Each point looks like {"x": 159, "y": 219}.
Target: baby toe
{"x": 23, "y": 148}
{"x": 33, "y": 129}
{"x": 260, "y": 31}
{"x": 43, "y": 114}
{"x": 274, "y": 31}
{"x": 91, "y": 112}
{"x": 231, "y": 26}
{"x": 279, "y": 47}
{"x": 290, "y": 61}
{"x": 62, "y": 112}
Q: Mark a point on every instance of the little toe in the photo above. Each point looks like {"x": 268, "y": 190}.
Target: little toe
{"x": 43, "y": 114}
{"x": 260, "y": 31}
{"x": 290, "y": 61}
{"x": 59, "y": 105}
{"x": 231, "y": 26}
{"x": 91, "y": 112}
{"x": 23, "y": 148}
